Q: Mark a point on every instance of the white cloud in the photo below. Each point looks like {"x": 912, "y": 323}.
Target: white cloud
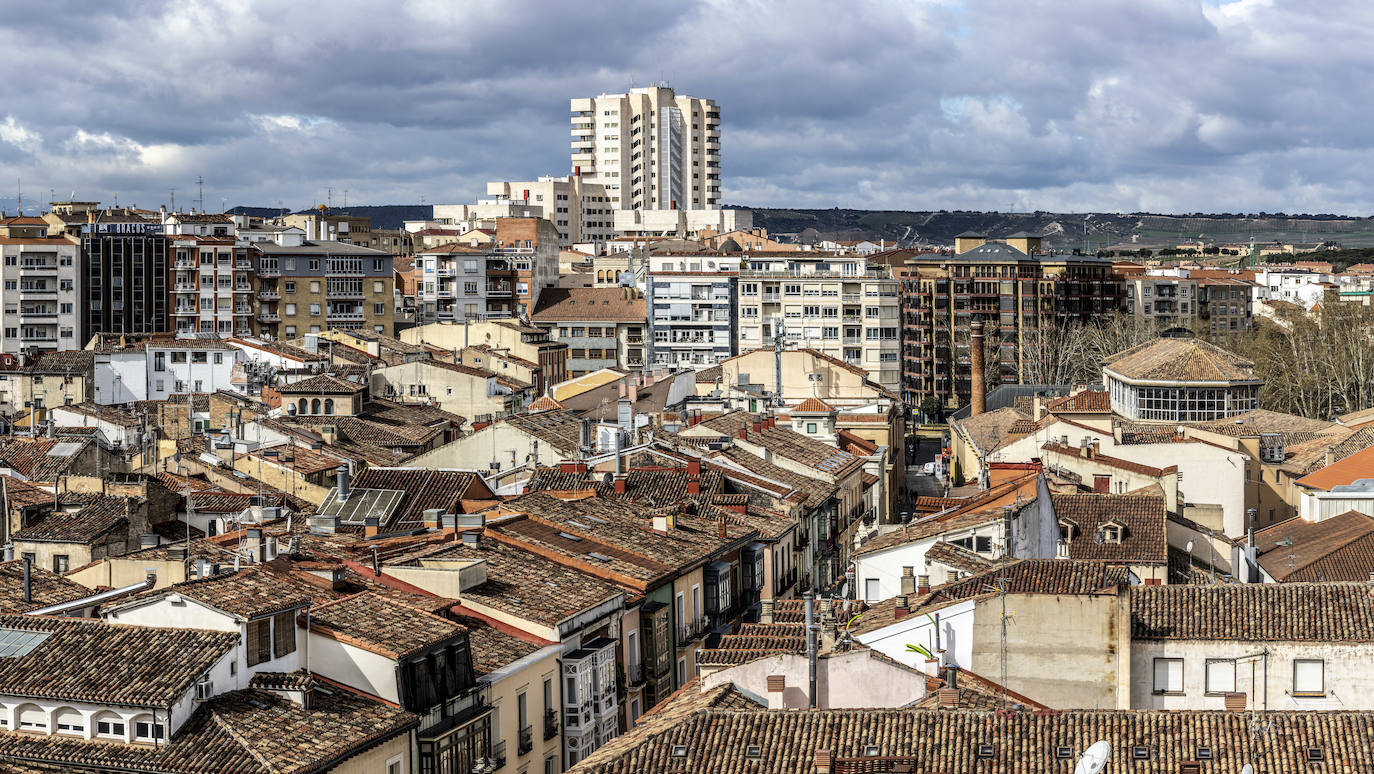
{"x": 15, "y": 134}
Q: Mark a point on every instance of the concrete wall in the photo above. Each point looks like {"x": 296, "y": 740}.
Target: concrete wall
{"x": 843, "y": 681}
{"x": 955, "y": 624}
{"x": 1063, "y": 651}
{"x": 117, "y": 572}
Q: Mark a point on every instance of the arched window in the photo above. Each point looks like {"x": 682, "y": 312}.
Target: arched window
{"x": 617, "y": 276}
{"x": 69, "y": 721}
{"x": 301, "y": 406}
{"x": 109, "y": 725}
{"x": 30, "y": 717}
{"x": 315, "y": 406}
{"x": 601, "y": 276}
{"x": 146, "y": 729}
{"x": 329, "y": 405}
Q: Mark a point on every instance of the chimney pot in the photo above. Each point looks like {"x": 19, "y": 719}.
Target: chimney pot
{"x": 923, "y": 584}
{"x": 620, "y": 483}
{"x": 693, "y": 487}
{"x": 908, "y": 581}
{"x": 720, "y": 529}
{"x": 743, "y": 433}
{"x": 766, "y": 611}
{"x": 1235, "y": 702}
{"x": 948, "y": 698}
{"x": 370, "y": 526}
{"x": 823, "y": 762}
{"x": 694, "y": 468}
{"x": 901, "y": 610}
{"x": 777, "y": 683}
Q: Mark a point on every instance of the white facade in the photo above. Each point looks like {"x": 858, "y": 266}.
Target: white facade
{"x": 41, "y": 300}
{"x": 688, "y": 224}
{"x": 157, "y": 372}
{"x": 691, "y": 309}
{"x": 953, "y": 623}
{"x": 1195, "y": 675}
{"x": 1298, "y": 286}
{"x": 581, "y": 210}
{"x": 650, "y": 148}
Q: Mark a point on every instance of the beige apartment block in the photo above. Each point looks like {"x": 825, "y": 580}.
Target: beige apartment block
{"x": 840, "y": 306}
{"x": 651, "y": 148}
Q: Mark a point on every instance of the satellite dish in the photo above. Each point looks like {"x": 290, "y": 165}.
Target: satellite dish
{"x": 1247, "y": 769}
{"x": 1189, "y": 547}
{"x": 1094, "y": 759}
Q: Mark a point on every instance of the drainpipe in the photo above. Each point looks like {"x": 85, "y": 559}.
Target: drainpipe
{"x": 810, "y": 647}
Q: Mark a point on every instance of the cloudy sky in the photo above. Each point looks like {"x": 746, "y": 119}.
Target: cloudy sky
{"x": 1160, "y": 105}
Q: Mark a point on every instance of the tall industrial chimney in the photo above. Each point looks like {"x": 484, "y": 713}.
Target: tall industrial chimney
{"x": 978, "y": 389}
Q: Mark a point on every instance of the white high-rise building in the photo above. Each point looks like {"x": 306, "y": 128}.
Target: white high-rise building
{"x": 650, "y": 148}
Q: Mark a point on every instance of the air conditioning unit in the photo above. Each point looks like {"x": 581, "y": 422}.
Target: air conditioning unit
{"x": 205, "y": 690}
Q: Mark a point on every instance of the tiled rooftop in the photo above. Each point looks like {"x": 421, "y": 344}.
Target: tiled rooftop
{"x": 86, "y": 660}
{"x": 40, "y": 459}
{"x": 424, "y": 490}
{"x": 1340, "y": 548}
{"x": 1140, "y": 519}
{"x": 248, "y": 731}
{"x": 1181, "y": 360}
{"x": 382, "y": 625}
{"x": 712, "y": 731}
{"x": 46, "y": 588}
{"x": 1254, "y": 612}
{"x": 97, "y": 516}
{"x": 246, "y": 594}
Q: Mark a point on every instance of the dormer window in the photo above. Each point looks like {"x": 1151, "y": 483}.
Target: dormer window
{"x": 1111, "y": 532}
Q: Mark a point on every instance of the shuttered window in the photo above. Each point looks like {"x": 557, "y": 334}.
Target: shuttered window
{"x": 284, "y": 636}
{"x": 259, "y": 645}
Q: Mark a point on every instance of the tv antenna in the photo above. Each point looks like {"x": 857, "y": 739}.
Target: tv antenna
{"x": 200, "y": 193}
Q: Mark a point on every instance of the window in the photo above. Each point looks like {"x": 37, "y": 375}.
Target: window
{"x": 31, "y": 718}
{"x": 393, "y": 765}
{"x": 59, "y": 563}
{"x": 69, "y": 721}
{"x": 290, "y": 286}
{"x": 314, "y": 286}
{"x": 379, "y": 308}
{"x": 284, "y": 634}
{"x": 1221, "y": 676}
{"x": 315, "y": 310}
{"x": 219, "y": 358}
{"x": 259, "y": 643}
{"x": 290, "y": 310}
{"x": 1169, "y": 676}
{"x": 1309, "y": 677}
{"x": 872, "y": 589}
{"x": 159, "y": 361}
{"x": 148, "y": 731}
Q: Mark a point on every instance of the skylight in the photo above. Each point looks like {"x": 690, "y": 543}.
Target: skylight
{"x": 19, "y": 642}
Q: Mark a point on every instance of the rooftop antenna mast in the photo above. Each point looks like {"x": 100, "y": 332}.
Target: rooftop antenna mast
{"x": 200, "y": 193}
{"x": 19, "y": 188}
{"x": 173, "y": 193}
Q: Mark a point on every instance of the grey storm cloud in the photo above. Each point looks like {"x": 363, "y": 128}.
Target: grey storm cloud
{"x": 1160, "y": 105}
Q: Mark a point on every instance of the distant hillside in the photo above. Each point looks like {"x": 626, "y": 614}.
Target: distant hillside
{"x": 1062, "y": 230}
{"x": 384, "y": 216}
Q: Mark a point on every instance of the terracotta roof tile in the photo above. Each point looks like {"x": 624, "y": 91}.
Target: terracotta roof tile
{"x": 1181, "y": 360}
{"x": 46, "y": 588}
{"x": 87, "y": 660}
{"x": 1340, "y": 548}
{"x": 383, "y": 626}
{"x": 246, "y": 594}
{"x": 1140, "y": 519}
{"x": 1254, "y": 612}
{"x": 95, "y": 517}
{"x": 1083, "y": 402}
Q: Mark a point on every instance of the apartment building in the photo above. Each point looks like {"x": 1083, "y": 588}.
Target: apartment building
{"x": 1225, "y": 303}
{"x": 212, "y": 289}
{"x": 841, "y": 306}
{"x": 487, "y": 344}
{"x": 306, "y": 286}
{"x": 491, "y": 278}
{"x": 690, "y": 300}
{"x": 650, "y": 148}
{"x": 603, "y": 327}
{"x": 41, "y": 300}
{"x": 124, "y": 275}
{"x": 1168, "y": 301}
{"x": 579, "y": 209}
{"x": 1013, "y": 286}
{"x": 323, "y": 224}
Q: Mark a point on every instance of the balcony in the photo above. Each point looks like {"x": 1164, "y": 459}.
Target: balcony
{"x": 185, "y": 310}
{"x": 243, "y": 310}
{"x": 268, "y": 317}
{"x": 44, "y": 268}
{"x": 634, "y": 674}
{"x": 268, "y": 271}
{"x": 184, "y": 263}
{"x": 550, "y": 724}
{"x": 498, "y": 754}
{"x": 690, "y": 630}
{"x": 243, "y": 263}
{"x": 341, "y": 314}
{"x": 243, "y": 288}
{"x": 526, "y": 742}
{"x": 243, "y": 332}
{"x": 498, "y": 291}
{"x": 268, "y": 295}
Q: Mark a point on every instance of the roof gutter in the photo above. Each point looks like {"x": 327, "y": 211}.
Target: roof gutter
{"x": 95, "y": 599}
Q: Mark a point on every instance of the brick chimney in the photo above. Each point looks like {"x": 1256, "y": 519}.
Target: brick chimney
{"x": 766, "y": 611}
{"x": 978, "y": 391}
{"x": 901, "y": 611}
{"x": 948, "y": 698}
{"x": 823, "y": 761}
{"x": 743, "y": 433}
{"x": 620, "y": 483}
{"x": 777, "y": 686}
{"x": 694, "y": 468}
{"x": 908, "y": 580}
{"x": 923, "y": 584}
{"x": 370, "y": 526}
{"x": 720, "y": 529}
